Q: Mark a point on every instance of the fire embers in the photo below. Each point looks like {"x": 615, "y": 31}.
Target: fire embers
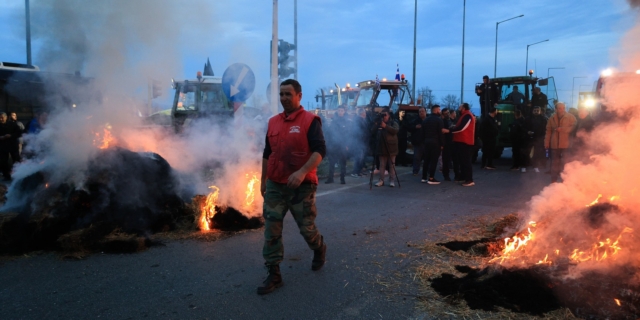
{"x": 598, "y": 233}
{"x": 104, "y": 139}
{"x": 224, "y": 217}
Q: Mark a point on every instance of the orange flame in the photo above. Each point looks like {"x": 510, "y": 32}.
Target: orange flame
{"x": 516, "y": 246}
{"x": 618, "y": 302}
{"x": 209, "y": 209}
{"x": 104, "y": 140}
{"x": 251, "y": 192}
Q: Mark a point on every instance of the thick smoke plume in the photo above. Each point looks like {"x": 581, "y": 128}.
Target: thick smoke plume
{"x": 567, "y": 216}
{"x": 121, "y": 45}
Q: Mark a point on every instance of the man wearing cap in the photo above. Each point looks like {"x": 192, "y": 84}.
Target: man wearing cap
{"x": 489, "y": 95}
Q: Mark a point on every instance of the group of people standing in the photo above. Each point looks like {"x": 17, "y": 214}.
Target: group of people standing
{"x": 442, "y": 135}
{"x": 536, "y": 138}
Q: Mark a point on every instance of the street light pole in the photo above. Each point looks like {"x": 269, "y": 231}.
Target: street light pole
{"x": 572, "y": 87}
{"x": 415, "y": 28}
{"x": 529, "y": 45}
{"x": 495, "y": 63}
{"x": 275, "y": 86}
{"x": 28, "y": 25}
{"x": 464, "y": 9}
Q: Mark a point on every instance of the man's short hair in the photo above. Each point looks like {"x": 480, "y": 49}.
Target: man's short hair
{"x": 342, "y": 106}
{"x": 425, "y": 109}
{"x": 434, "y": 106}
{"x": 466, "y": 106}
{"x": 536, "y": 107}
{"x": 485, "y": 77}
{"x": 3, "y": 114}
{"x": 294, "y": 83}
{"x": 515, "y": 87}
{"x": 445, "y": 110}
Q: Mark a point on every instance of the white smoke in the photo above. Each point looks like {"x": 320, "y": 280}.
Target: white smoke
{"x": 605, "y": 170}
{"x": 121, "y": 45}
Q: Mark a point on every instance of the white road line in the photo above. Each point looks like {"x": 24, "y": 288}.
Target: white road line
{"x": 320, "y": 194}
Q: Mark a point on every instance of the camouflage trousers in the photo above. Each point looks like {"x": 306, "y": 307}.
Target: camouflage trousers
{"x": 279, "y": 199}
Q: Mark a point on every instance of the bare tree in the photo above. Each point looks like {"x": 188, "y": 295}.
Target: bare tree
{"x": 450, "y": 101}
{"x": 428, "y": 98}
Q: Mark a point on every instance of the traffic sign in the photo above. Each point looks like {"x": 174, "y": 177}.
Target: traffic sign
{"x": 238, "y": 82}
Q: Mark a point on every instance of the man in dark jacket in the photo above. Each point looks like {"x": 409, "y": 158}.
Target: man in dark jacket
{"x": 9, "y": 133}
{"x": 489, "y": 95}
{"x": 537, "y": 129}
{"x": 488, "y": 133}
{"x": 447, "y": 150}
{"x": 539, "y": 99}
{"x": 402, "y": 159}
{"x": 338, "y": 149}
{"x": 433, "y": 142}
{"x": 415, "y": 128}
{"x": 518, "y": 133}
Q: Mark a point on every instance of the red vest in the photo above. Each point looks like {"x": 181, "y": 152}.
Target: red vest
{"x": 289, "y": 146}
{"x": 467, "y": 135}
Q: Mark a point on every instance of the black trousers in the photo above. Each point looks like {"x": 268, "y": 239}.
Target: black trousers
{"x": 463, "y": 153}
{"x": 5, "y": 165}
{"x": 520, "y": 155}
{"x": 432, "y": 153}
{"x": 488, "y": 151}
{"x": 447, "y": 158}
{"x": 341, "y": 159}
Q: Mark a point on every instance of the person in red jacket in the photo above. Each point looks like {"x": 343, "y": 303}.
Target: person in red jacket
{"x": 294, "y": 147}
{"x": 463, "y": 140}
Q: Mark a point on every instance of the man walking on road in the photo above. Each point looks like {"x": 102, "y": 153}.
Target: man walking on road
{"x": 294, "y": 147}
{"x": 463, "y": 139}
{"x": 537, "y": 129}
{"x": 559, "y": 128}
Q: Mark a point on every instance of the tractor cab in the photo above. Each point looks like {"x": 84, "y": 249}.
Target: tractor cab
{"x": 517, "y": 93}
{"x": 199, "y": 98}
{"x": 376, "y": 95}
{"x": 334, "y": 98}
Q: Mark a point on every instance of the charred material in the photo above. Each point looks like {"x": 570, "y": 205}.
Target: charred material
{"x": 596, "y": 214}
{"x": 133, "y": 193}
{"x": 476, "y": 246}
{"x": 230, "y": 219}
{"x": 520, "y": 290}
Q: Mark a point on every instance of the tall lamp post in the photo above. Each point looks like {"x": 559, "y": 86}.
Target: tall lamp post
{"x": 28, "y": 30}
{"x": 495, "y": 63}
{"x": 572, "y": 87}
{"x": 464, "y": 10}
{"x": 529, "y": 45}
{"x": 415, "y": 26}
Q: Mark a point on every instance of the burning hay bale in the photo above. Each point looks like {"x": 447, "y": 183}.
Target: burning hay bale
{"x": 466, "y": 280}
{"x": 135, "y": 193}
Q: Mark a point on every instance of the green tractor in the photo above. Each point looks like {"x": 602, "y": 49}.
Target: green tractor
{"x": 506, "y": 105}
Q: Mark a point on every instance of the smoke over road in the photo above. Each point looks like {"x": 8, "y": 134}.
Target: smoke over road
{"x": 121, "y": 45}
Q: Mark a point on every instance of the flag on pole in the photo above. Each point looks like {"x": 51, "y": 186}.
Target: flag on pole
{"x": 397, "y": 72}
{"x": 377, "y": 83}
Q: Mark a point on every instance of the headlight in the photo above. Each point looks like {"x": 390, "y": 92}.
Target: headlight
{"x": 589, "y": 103}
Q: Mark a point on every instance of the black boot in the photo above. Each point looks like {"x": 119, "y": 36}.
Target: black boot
{"x": 273, "y": 281}
{"x": 342, "y": 180}
{"x": 319, "y": 256}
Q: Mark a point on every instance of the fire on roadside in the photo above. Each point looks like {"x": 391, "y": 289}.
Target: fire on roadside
{"x": 208, "y": 209}
{"x": 104, "y": 139}
{"x": 600, "y": 248}
{"x": 251, "y": 191}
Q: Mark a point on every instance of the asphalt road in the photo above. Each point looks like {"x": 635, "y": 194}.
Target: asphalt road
{"x": 367, "y": 232}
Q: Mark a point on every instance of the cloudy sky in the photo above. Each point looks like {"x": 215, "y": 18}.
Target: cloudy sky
{"x": 339, "y": 41}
